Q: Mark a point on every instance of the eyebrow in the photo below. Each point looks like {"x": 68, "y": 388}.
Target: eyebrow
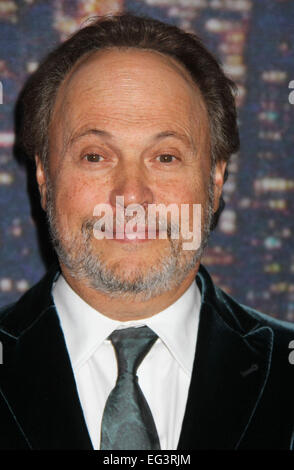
{"x": 161, "y": 135}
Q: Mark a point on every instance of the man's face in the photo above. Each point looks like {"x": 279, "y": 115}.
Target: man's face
{"x": 127, "y": 123}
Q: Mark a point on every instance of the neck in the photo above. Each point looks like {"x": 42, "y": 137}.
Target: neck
{"x": 131, "y": 307}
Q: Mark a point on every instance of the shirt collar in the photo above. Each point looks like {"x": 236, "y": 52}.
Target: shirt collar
{"x": 85, "y": 328}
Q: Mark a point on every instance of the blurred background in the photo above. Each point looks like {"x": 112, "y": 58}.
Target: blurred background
{"x": 250, "y": 254}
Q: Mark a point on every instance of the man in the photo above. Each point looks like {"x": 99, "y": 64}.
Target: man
{"x": 127, "y": 343}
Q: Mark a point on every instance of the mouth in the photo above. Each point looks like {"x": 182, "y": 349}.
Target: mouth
{"x": 135, "y": 234}
{"x": 138, "y": 236}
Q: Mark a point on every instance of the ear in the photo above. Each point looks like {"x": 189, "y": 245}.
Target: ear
{"x": 41, "y": 180}
{"x": 219, "y": 172}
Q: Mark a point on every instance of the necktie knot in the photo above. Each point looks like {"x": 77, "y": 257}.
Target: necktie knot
{"x": 131, "y": 346}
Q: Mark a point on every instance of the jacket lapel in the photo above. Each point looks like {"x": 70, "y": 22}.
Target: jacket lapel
{"x": 231, "y": 366}
{"x": 37, "y": 380}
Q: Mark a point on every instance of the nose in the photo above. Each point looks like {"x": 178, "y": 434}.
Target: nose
{"x": 131, "y": 182}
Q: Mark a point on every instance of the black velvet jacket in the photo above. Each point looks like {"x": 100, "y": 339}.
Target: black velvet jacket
{"x": 241, "y": 394}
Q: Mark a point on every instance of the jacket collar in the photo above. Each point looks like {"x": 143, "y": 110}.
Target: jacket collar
{"x": 231, "y": 366}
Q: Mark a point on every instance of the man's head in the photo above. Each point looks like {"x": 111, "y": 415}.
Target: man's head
{"x": 135, "y": 108}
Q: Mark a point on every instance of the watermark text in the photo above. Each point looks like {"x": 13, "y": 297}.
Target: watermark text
{"x": 164, "y": 221}
{"x": 291, "y": 94}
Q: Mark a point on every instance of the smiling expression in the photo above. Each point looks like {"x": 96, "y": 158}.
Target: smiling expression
{"x": 128, "y": 123}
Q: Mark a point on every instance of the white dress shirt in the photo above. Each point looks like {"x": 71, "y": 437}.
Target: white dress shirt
{"x": 164, "y": 374}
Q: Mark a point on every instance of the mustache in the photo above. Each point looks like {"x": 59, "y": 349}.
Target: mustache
{"x": 160, "y": 225}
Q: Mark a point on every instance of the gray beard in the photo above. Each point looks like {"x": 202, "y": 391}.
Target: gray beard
{"x": 77, "y": 254}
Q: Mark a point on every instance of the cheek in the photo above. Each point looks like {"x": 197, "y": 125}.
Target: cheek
{"x": 76, "y": 199}
{"x": 188, "y": 190}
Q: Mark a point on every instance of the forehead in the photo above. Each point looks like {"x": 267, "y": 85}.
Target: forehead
{"x": 129, "y": 86}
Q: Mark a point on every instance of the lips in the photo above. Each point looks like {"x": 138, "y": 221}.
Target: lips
{"x": 132, "y": 230}
{"x": 131, "y": 234}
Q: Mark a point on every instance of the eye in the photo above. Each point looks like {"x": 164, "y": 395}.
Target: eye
{"x": 166, "y": 158}
{"x": 93, "y": 157}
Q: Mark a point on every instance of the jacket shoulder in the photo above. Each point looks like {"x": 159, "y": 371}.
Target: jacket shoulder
{"x": 16, "y": 317}
{"x": 5, "y": 310}
{"x": 267, "y": 320}
{"x": 238, "y": 316}
{"x": 246, "y": 316}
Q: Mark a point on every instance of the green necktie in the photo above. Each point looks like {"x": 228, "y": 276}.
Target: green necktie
{"x": 127, "y": 422}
